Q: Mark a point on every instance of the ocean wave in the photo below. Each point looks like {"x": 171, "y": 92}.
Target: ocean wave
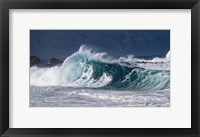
{"x": 86, "y": 68}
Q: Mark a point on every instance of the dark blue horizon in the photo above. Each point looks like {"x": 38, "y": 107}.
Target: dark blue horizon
{"x": 60, "y": 44}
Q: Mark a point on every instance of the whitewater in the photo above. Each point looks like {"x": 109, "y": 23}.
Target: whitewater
{"x": 94, "y": 79}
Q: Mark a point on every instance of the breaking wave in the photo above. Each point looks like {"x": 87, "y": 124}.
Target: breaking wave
{"x": 86, "y": 68}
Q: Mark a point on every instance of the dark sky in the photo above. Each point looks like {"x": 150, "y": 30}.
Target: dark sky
{"x": 61, "y": 43}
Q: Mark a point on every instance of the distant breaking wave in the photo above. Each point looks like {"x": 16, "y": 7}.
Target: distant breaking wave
{"x": 86, "y": 68}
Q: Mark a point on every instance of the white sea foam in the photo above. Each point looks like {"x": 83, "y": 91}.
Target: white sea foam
{"x": 81, "y": 97}
{"x": 168, "y": 55}
{"x": 45, "y": 76}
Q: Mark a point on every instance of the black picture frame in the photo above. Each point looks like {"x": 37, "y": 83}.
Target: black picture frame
{"x": 5, "y": 5}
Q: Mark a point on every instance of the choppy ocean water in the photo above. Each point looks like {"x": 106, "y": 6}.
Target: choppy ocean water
{"x": 72, "y": 97}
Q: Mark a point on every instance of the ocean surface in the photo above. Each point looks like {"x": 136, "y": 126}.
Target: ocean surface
{"x": 91, "y": 79}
